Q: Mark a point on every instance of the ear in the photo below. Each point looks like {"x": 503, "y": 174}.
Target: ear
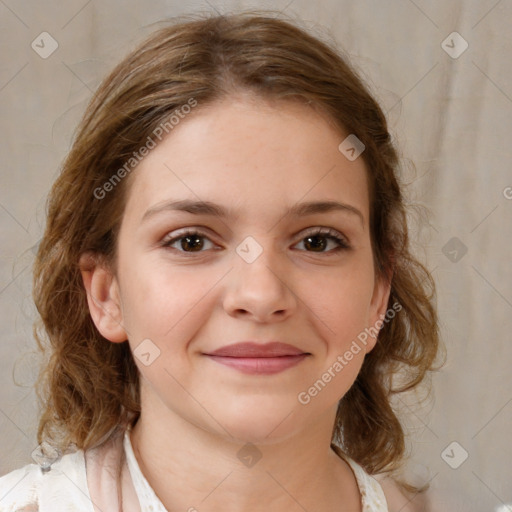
{"x": 378, "y": 308}
{"x": 103, "y": 297}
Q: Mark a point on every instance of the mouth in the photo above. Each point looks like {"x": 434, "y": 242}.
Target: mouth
{"x": 257, "y": 358}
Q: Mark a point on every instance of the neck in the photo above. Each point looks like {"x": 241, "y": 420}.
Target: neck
{"x": 190, "y": 468}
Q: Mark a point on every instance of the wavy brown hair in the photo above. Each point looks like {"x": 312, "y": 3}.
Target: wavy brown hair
{"x": 89, "y": 387}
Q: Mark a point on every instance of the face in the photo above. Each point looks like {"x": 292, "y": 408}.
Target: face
{"x": 190, "y": 282}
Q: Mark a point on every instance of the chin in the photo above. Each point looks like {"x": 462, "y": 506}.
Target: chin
{"x": 263, "y": 426}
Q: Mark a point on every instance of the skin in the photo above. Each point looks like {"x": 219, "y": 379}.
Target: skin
{"x": 256, "y": 159}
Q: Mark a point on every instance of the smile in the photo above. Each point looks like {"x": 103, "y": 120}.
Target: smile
{"x": 260, "y": 365}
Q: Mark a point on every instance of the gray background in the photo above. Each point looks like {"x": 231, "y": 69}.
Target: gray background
{"x": 451, "y": 116}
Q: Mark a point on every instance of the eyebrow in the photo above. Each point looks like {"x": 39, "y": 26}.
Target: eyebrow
{"x": 216, "y": 210}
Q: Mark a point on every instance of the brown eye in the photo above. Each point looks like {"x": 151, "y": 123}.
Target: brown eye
{"x": 194, "y": 243}
{"x": 315, "y": 243}
{"x": 318, "y": 241}
{"x": 187, "y": 242}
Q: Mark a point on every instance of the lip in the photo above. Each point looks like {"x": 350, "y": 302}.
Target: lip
{"x": 254, "y": 349}
{"x": 257, "y": 358}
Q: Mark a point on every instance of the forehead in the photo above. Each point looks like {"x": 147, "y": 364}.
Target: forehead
{"x": 254, "y": 157}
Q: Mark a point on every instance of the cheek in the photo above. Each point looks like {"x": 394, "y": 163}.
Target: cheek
{"x": 162, "y": 303}
{"x": 341, "y": 302}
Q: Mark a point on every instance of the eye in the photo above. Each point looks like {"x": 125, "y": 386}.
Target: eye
{"x": 189, "y": 241}
{"x": 318, "y": 239}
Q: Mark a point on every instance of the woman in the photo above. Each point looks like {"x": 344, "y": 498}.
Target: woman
{"x": 226, "y": 286}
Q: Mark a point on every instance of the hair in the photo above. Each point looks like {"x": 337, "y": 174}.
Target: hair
{"x": 88, "y": 387}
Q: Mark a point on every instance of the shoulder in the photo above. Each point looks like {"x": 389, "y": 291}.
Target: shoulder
{"x": 62, "y": 488}
{"x": 397, "y": 500}
{"x": 372, "y": 495}
{"x": 381, "y": 492}
{"x": 19, "y": 489}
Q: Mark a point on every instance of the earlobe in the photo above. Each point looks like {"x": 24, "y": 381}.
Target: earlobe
{"x": 103, "y": 297}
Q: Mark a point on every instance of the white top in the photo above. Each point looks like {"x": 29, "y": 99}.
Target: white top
{"x": 86, "y": 482}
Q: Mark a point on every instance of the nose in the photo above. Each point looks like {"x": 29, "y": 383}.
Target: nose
{"x": 260, "y": 291}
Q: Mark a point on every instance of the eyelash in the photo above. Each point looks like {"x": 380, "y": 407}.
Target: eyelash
{"x": 328, "y": 233}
